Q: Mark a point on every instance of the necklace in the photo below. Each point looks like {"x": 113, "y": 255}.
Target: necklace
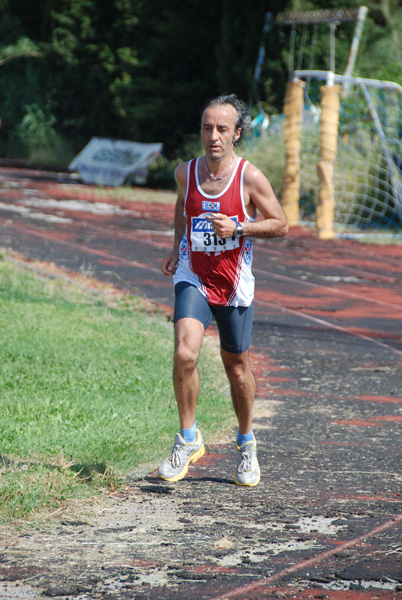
{"x": 220, "y": 176}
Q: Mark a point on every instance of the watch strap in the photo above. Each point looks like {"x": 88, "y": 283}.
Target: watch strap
{"x": 239, "y": 229}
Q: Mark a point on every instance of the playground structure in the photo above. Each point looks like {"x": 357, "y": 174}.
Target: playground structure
{"x": 365, "y": 177}
{"x": 345, "y": 129}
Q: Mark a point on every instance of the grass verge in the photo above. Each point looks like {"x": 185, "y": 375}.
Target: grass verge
{"x": 86, "y": 392}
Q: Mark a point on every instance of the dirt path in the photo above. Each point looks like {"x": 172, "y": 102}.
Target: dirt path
{"x": 326, "y": 520}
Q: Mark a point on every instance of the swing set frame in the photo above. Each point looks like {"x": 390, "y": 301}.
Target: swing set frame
{"x": 293, "y": 108}
{"x": 332, "y": 18}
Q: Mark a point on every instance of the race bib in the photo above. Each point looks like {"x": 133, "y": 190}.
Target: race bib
{"x": 203, "y": 238}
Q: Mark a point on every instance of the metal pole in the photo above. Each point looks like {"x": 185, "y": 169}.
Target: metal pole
{"x": 397, "y": 187}
{"x": 354, "y": 47}
{"x": 261, "y": 52}
{"x": 292, "y": 52}
{"x": 376, "y": 83}
{"x": 356, "y": 41}
{"x": 331, "y": 72}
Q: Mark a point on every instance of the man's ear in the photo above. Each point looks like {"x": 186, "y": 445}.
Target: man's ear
{"x": 237, "y": 134}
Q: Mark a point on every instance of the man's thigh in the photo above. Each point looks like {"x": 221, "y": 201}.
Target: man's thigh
{"x": 190, "y": 303}
{"x": 235, "y": 325}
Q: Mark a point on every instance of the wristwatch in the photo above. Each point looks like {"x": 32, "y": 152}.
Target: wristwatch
{"x": 239, "y": 229}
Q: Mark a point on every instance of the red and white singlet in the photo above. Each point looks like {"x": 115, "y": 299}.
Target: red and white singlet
{"x": 219, "y": 268}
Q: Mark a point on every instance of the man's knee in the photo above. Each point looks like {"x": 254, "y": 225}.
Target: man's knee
{"x": 185, "y": 358}
{"x": 237, "y": 366}
{"x": 189, "y": 334}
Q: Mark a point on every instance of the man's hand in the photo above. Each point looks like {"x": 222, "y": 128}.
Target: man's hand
{"x": 222, "y": 225}
{"x": 170, "y": 263}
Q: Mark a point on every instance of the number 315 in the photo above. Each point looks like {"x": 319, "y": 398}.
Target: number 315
{"x": 210, "y": 238}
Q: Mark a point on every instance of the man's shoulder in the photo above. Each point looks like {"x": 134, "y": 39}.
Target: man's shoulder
{"x": 182, "y": 166}
{"x": 251, "y": 173}
{"x": 251, "y": 169}
{"x": 180, "y": 172}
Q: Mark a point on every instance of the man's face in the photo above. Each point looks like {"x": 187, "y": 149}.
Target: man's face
{"x": 218, "y": 131}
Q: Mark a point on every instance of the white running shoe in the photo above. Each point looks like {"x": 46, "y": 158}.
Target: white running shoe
{"x": 175, "y": 467}
{"x": 248, "y": 469}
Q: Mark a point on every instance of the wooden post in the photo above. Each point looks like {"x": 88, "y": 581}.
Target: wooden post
{"x": 293, "y": 110}
{"x": 326, "y": 164}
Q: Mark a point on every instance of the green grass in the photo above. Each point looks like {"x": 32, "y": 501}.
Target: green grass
{"x": 86, "y": 391}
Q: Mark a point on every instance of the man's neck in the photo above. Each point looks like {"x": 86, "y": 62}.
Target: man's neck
{"x": 219, "y": 169}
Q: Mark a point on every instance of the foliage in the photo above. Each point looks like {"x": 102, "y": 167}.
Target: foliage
{"x": 267, "y": 152}
{"x": 36, "y": 128}
{"x": 141, "y": 70}
{"x": 22, "y": 48}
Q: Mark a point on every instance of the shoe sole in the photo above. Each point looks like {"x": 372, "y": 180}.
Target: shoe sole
{"x": 237, "y": 482}
{"x": 193, "y": 458}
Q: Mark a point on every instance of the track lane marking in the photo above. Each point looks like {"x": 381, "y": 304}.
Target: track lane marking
{"x": 139, "y": 265}
{"x": 326, "y": 324}
{"x": 87, "y": 249}
{"x": 260, "y": 583}
{"x": 302, "y": 260}
{"x": 335, "y": 291}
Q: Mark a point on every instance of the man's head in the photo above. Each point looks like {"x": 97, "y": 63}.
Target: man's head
{"x": 242, "y": 121}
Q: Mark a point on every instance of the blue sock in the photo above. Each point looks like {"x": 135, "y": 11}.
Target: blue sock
{"x": 243, "y": 439}
{"x": 189, "y": 435}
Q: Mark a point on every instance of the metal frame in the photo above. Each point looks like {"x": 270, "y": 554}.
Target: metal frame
{"x": 314, "y": 17}
{"x": 311, "y": 17}
{"x": 332, "y": 18}
{"x": 364, "y": 84}
{"x": 376, "y": 83}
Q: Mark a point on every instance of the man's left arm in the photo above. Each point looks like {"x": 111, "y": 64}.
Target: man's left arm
{"x": 258, "y": 195}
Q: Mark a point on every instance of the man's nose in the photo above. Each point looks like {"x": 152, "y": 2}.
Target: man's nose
{"x": 214, "y": 133}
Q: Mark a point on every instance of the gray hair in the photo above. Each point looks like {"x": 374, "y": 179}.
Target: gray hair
{"x": 243, "y": 119}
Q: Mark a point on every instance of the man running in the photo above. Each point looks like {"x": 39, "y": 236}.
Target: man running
{"x": 215, "y": 220}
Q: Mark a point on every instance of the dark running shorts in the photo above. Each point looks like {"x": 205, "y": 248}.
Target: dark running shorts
{"x": 234, "y": 323}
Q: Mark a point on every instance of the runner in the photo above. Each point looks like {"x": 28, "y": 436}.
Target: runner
{"x": 215, "y": 221}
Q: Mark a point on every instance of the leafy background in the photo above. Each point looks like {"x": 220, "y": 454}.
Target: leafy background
{"x": 142, "y": 69}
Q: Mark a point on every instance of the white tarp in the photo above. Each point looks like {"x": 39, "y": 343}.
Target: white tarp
{"x": 111, "y": 162}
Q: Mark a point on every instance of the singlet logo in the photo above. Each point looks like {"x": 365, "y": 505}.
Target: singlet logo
{"x": 207, "y": 205}
{"x": 247, "y": 251}
{"x": 200, "y": 224}
{"x": 183, "y": 249}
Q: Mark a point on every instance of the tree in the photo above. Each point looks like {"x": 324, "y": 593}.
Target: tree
{"x": 176, "y": 70}
{"x": 85, "y": 48}
{"x": 142, "y": 69}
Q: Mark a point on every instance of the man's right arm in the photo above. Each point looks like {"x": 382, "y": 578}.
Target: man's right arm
{"x": 170, "y": 263}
